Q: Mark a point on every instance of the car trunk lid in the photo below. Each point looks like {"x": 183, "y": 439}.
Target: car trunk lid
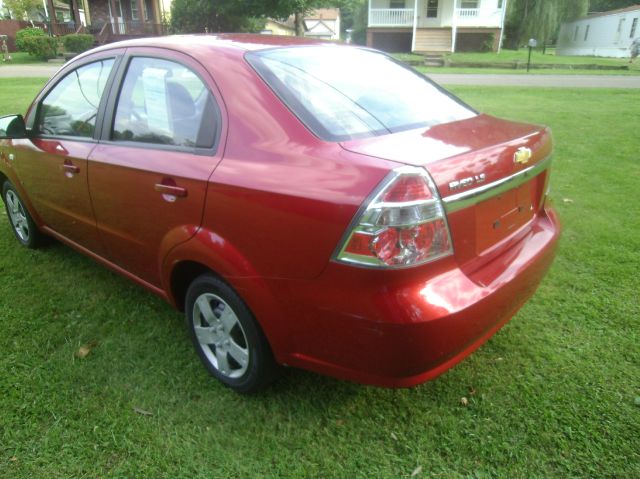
{"x": 490, "y": 185}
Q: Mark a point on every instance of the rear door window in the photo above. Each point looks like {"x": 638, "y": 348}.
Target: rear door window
{"x": 163, "y": 102}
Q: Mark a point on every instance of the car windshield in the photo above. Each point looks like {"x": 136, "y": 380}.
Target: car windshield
{"x": 345, "y": 93}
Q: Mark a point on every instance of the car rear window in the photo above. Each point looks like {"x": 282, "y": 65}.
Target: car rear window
{"x": 344, "y": 93}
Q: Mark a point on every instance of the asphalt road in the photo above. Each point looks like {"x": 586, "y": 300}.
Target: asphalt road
{"x": 567, "y": 81}
{"x": 29, "y": 70}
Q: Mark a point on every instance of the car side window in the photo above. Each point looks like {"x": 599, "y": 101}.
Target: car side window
{"x": 165, "y": 103}
{"x": 71, "y": 107}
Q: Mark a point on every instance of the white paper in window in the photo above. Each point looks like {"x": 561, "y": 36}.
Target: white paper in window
{"x": 155, "y": 97}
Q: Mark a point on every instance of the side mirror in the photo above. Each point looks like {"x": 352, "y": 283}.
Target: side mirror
{"x": 12, "y": 127}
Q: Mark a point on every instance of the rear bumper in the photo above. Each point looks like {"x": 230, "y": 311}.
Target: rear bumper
{"x": 401, "y": 328}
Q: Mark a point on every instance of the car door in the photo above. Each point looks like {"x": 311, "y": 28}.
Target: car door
{"x": 160, "y": 144}
{"x": 52, "y": 162}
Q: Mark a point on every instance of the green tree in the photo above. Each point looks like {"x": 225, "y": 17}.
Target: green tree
{"x": 539, "y": 19}
{"x": 199, "y": 16}
{"x": 353, "y": 16}
{"x": 282, "y": 9}
{"x": 606, "y": 5}
{"x": 21, "y": 9}
{"x": 190, "y": 16}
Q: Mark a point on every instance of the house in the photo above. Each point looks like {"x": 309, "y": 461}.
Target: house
{"x": 108, "y": 20}
{"x": 607, "y": 34}
{"x": 435, "y": 25}
{"x": 323, "y": 23}
{"x": 273, "y": 26}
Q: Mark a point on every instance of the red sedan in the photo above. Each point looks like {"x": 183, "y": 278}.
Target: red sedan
{"x": 306, "y": 204}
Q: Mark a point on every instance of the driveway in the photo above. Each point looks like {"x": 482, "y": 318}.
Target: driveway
{"x": 567, "y": 81}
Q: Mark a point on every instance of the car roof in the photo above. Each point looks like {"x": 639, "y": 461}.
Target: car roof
{"x": 192, "y": 44}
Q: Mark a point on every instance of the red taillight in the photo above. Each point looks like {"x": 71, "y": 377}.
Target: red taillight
{"x": 403, "y": 225}
{"x": 407, "y": 188}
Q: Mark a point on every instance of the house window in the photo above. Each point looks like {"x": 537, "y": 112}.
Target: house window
{"x": 575, "y": 34}
{"x": 586, "y": 33}
{"x": 432, "y": 9}
{"x": 134, "y": 10}
{"x": 396, "y": 4}
{"x": 634, "y": 24}
{"x": 469, "y": 4}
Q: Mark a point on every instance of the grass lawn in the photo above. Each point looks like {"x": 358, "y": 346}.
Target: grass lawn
{"x": 568, "y": 65}
{"x": 16, "y": 94}
{"x": 21, "y": 58}
{"x": 506, "y": 71}
{"x": 510, "y": 56}
{"x": 556, "y": 393}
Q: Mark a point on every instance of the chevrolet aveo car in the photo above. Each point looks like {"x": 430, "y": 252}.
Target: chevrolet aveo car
{"x": 305, "y": 204}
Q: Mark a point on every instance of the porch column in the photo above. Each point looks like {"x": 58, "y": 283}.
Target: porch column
{"x": 157, "y": 21}
{"x": 415, "y": 25}
{"x": 52, "y": 17}
{"x": 76, "y": 14}
{"x": 454, "y": 27}
{"x": 115, "y": 28}
{"x": 140, "y": 4}
{"x": 140, "y": 28}
{"x": 87, "y": 13}
{"x": 504, "y": 11}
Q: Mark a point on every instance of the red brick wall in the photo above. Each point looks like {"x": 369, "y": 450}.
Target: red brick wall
{"x": 10, "y": 27}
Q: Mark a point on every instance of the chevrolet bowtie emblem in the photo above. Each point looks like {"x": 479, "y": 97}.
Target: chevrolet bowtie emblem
{"x": 522, "y": 155}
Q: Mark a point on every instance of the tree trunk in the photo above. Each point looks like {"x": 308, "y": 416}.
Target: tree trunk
{"x": 299, "y": 22}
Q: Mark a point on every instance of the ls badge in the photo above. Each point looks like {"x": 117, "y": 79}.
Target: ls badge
{"x": 522, "y": 155}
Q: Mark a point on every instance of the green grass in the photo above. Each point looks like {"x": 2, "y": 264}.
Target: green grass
{"x": 16, "y": 94}
{"x": 21, "y": 58}
{"x": 566, "y": 65}
{"x": 510, "y": 56}
{"x": 505, "y": 71}
{"x": 551, "y": 395}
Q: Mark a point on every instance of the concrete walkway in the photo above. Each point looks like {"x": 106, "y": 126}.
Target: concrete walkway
{"x": 567, "y": 81}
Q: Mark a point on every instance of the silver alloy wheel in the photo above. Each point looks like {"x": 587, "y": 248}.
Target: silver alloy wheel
{"x": 18, "y": 216}
{"x": 220, "y": 335}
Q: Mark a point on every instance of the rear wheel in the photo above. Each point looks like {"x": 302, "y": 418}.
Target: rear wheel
{"x": 227, "y": 338}
{"x": 22, "y": 224}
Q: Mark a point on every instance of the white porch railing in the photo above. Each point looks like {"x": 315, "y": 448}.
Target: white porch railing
{"x": 391, "y": 17}
{"x": 478, "y": 17}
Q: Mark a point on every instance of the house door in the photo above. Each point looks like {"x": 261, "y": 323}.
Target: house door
{"x": 430, "y": 16}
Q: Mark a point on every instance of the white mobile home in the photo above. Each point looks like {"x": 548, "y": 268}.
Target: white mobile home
{"x": 607, "y": 34}
{"x": 435, "y": 25}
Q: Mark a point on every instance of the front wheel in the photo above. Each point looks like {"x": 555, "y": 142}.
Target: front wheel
{"x": 23, "y": 226}
{"x": 227, "y": 338}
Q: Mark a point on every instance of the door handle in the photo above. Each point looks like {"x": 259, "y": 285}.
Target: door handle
{"x": 70, "y": 168}
{"x": 171, "y": 190}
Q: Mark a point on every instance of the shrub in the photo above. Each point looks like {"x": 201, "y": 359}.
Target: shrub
{"x": 44, "y": 47}
{"x": 78, "y": 42}
{"x": 487, "y": 45}
{"x": 25, "y": 33}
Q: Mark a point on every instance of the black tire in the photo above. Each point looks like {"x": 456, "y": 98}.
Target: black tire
{"x": 226, "y": 336}
{"x": 22, "y": 224}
